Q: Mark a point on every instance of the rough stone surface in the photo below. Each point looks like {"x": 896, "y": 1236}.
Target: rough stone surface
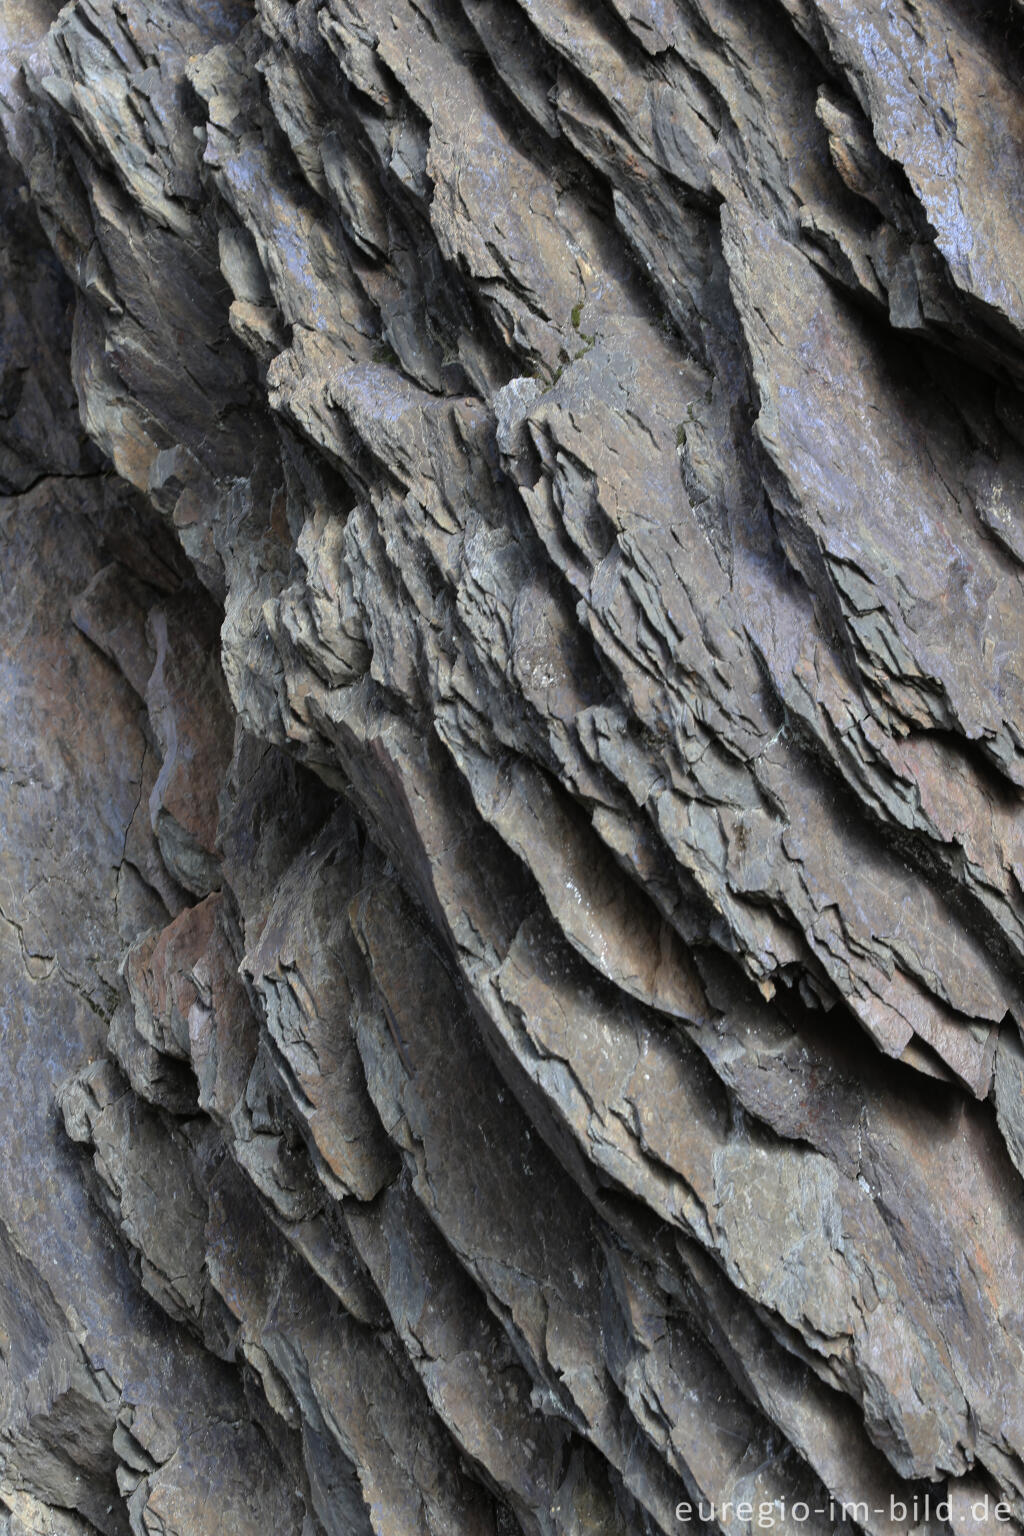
{"x": 511, "y": 878}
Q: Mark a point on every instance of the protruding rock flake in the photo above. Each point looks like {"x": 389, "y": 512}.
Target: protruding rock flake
{"x": 512, "y": 779}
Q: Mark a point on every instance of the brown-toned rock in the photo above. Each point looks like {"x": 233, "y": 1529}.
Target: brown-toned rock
{"x": 511, "y": 878}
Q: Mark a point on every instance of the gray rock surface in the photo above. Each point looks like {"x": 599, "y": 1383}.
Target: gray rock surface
{"x": 511, "y": 877}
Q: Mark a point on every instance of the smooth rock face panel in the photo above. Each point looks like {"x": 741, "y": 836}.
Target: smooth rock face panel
{"x": 511, "y": 861}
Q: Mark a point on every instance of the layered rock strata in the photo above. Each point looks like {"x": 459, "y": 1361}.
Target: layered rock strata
{"x": 511, "y": 887}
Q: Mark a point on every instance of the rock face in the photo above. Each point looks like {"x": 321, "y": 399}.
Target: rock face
{"x": 511, "y": 878}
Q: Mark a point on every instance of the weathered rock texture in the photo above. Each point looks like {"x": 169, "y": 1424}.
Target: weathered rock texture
{"x": 511, "y": 885}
